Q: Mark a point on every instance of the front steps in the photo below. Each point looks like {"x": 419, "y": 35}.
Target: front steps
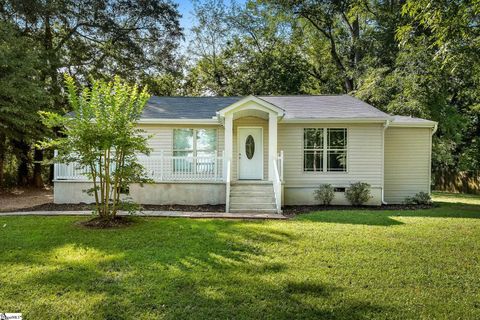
{"x": 255, "y": 196}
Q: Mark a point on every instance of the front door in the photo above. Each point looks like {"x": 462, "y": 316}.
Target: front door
{"x": 250, "y": 153}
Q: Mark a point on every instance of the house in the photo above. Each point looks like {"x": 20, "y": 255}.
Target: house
{"x": 258, "y": 153}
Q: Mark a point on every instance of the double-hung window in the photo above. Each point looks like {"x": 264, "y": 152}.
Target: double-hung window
{"x": 194, "y": 150}
{"x": 325, "y": 149}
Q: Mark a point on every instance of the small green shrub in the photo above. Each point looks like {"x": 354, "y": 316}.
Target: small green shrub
{"x": 358, "y": 193}
{"x": 421, "y": 198}
{"x": 324, "y": 194}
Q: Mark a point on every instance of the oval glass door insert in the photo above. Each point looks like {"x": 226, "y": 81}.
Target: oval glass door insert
{"x": 249, "y": 147}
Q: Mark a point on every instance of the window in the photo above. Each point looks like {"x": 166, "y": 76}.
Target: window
{"x": 325, "y": 149}
{"x": 195, "y": 149}
{"x": 337, "y": 150}
{"x": 313, "y": 150}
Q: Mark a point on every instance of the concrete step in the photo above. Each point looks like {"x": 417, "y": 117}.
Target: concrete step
{"x": 252, "y": 206}
{"x": 250, "y": 182}
{"x": 252, "y": 194}
{"x": 249, "y": 199}
{"x": 253, "y": 211}
{"x": 252, "y": 188}
{"x": 255, "y": 196}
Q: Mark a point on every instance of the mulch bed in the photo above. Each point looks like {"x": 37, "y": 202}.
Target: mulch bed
{"x": 288, "y": 211}
{"x": 99, "y": 223}
{"x": 185, "y": 208}
{"x": 90, "y": 207}
{"x": 295, "y": 210}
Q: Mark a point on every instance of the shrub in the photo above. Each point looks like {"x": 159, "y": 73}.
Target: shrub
{"x": 101, "y": 135}
{"x": 358, "y": 193}
{"x": 421, "y": 198}
{"x": 324, "y": 194}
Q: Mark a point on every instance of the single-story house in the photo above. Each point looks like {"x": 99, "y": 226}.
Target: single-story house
{"x": 257, "y": 153}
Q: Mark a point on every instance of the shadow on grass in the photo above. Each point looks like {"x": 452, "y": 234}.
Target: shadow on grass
{"x": 161, "y": 268}
{"x": 387, "y": 217}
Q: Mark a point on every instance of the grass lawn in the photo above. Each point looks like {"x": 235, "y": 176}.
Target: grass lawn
{"x": 331, "y": 264}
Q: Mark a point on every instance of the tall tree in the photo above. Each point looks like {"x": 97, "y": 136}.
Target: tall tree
{"x": 339, "y": 23}
{"x": 133, "y": 38}
{"x": 210, "y": 36}
{"x": 245, "y": 50}
{"x": 22, "y": 93}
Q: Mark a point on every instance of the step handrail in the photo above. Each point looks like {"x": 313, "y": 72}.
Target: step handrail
{"x": 277, "y": 187}
{"x": 227, "y": 191}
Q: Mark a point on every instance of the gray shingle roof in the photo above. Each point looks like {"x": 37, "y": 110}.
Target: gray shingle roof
{"x": 296, "y": 107}
{"x": 324, "y": 107}
{"x": 186, "y": 107}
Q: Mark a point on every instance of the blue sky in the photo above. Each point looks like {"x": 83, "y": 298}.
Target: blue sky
{"x": 186, "y": 9}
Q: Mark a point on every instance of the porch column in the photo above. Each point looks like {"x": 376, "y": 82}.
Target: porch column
{"x": 272, "y": 143}
{"x": 228, "y": 141}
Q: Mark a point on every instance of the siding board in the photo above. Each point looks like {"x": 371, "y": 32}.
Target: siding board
{"x": 407, "y": 162}
{"x": 364, "y": 156}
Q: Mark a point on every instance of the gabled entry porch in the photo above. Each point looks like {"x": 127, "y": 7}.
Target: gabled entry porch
{"x": 251, "y": 156}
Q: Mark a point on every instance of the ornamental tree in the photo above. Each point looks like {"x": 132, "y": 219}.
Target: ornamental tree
{"x": 101, "y": 135}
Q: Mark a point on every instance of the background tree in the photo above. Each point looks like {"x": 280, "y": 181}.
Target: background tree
{"x": 134, "y": 39}
{"x": 413, "y": 58}
{"x": 21, "y": 96}
{"x": 209, "y": 37}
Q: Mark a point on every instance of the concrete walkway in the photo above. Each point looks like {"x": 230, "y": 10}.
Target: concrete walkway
{"x": 165, "y": 214}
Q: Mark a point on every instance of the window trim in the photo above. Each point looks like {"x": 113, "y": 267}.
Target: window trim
{"x": 325, "y": 151}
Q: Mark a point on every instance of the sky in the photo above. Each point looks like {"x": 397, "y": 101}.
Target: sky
{"x": 186, "y": 10}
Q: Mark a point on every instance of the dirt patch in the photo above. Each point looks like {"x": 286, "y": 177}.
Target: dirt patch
{"x": 295, "y": 210}
{"x": 99, "y": 223}
{"x": 22, "y": 198}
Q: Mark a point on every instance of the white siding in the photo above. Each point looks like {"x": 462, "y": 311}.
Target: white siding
{"x": 364, "y": 156}
{"x": 364, "y": 162}
{"x": 407, "y": 162}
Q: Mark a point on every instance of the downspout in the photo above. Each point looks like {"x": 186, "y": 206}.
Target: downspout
{"x": 385, "y": 126}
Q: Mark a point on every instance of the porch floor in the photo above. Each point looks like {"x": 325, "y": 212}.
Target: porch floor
{"x": 165, "y": 214}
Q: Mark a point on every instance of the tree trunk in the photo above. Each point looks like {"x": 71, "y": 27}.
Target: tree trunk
{"x": 355, "y": 42}
{"x": 23, "y": 158}
{"x": 3, "y": 151}
{"x": 349, "y": 86}
{"x": 37, "y": 180}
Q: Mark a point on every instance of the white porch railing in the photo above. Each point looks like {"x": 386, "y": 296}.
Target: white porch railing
{"x": 160, "y": 168}
{"x": 277, "y": 181}
{"x": 280, "y": 165}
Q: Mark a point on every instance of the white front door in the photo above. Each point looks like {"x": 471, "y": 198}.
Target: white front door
{"x": 250, "y": 153}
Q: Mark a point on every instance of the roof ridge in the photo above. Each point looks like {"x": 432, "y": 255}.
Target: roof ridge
{"x": 176, "y": 97}
{"x": 304, "y": 95}
{"x": 261, "y": 95}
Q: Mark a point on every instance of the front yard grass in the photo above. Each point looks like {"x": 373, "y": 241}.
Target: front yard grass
{"x": 329, "y": 264}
